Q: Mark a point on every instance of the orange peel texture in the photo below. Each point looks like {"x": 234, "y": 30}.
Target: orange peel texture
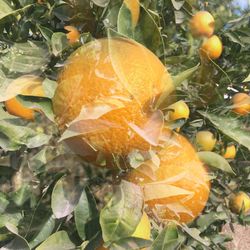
{"x": 106, "y": 90}
{"x": 179, "y": 188}
{"x": 241, "y": 102}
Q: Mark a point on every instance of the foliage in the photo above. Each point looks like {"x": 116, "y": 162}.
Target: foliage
{"x": 52, "y": 199}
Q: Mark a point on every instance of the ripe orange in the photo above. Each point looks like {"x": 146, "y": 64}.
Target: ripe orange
{"x": 205, "y": 140}
{"x": 230, "y": 152}
{"x": 178, "y": 110}
{"x": 26, "y": 85}
{"x": 134, "y": 7}
{"x": 179, "y": 188}
{"x": 73, "y": 35}
{"x": 211, "y": 48}
{"x": 202, "y": 24}
{"x": 114, "y": 82}
{"x": 14, "y": 107}
{"x": 239, "y": 202}
{"x": 241, "y": 102}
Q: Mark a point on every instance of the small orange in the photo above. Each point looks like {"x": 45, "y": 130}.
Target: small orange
{"x": 179, "y": 110}
{"x": 28, "y": 85}
{"x": 239, "y": 202}
{"x": 14, "y": 107}
{"x": 179, "y": 188}
{"x": 73, "y": 35}
{"x": 202, "y": 24}
{"x": 230, "y": 152}
{"x": 205, "y": 140}
{"x": 241, "y": 102}
{"x": 211, "y": 48}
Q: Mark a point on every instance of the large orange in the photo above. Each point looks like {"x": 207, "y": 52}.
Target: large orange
{"x": 114, "y": 82}
{"x": 179, "y": 188}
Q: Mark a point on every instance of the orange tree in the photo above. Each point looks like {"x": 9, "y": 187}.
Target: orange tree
{"x": 123, "y": 124}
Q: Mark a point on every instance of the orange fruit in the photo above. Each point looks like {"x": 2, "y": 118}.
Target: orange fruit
{"x": 240, "y": 202}
{"x": 230, "y": 152}
{"x": 179, "y": 188}
{"x": 202, "y": 24}
{"x": 113, "y": 83}
{"x": 205, "y": 140}
{"x": 27, "y": 85}
{"x": 211, "y": 48}
{"x": 241, "y": 102}
{"x": 73, "y": 35}
{"x": 134, "y": 7}
{"x": 14, "y": 107}
{"x": 178, "y": 110}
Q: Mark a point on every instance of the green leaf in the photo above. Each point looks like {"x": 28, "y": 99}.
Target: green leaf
{"x": 205, "y": 220}
{"x": 83, "y": 213}
{"x": 147, "y": 32}
{"x": 5, "y": 9}
{"x": 230, "y": 126}
{"x": 44, "y": 156}
{"x": 124, "y": 22}
{"x": 38, "y": 103}
{"x": 21, "y": 195}
{"x": 177, "y": 4}
{"x": 46, "y": 33}
{"x": 247, "y": 79}
{"x": 168, "y": 239}
{"x": 13, "y": 136}
{"x": 234, "y": 38}
{"x": 44, "y": 232}
{"x": 178, "y": 79}
{"x": 3, "y": 201}
{"x": 26, "y": 57}
{"x": 57, "y": 241}
{"x": 122, "y": 214}
{"x": 65, "y": 197}
{"x": 195, "y": 234}
{"x": 49, "y": 87}
{"x": 179, "y": 16}
{"x": 101, "y": 3}
{"x": 215, "y": 160}
{"x": 13, "y": 218}
{"x": 59, "y": 43}
{"x": 18, "y": 243}
{"x": 136, "y": 158}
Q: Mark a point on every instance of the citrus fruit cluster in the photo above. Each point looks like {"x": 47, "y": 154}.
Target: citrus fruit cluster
{"x": 106, "y": 96}
{"x": 202, "y": 25}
